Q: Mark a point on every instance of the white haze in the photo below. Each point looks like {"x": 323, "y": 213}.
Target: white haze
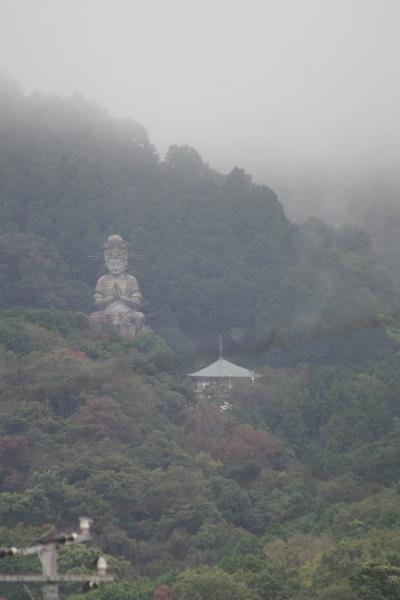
{"x": 304, "y": 94}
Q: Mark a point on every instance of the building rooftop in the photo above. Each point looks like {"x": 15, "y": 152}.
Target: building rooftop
{"x": 223, "y": 368}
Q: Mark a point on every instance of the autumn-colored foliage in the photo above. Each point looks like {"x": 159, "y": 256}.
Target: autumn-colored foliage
{"x": 99, "y": 417}
{"x": 246, "y": 443}
{"x": 163, "y": 592}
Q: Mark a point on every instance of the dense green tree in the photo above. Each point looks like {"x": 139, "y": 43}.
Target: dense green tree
{"x": 377, "y": 581}
{"x": 208, "y": 583}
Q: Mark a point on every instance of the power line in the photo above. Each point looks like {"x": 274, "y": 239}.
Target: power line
{"x": 47, "y": 552}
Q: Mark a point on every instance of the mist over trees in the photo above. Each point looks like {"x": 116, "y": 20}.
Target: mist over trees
{"x": 214, "y": 253}
{"x": 294, "y": 492}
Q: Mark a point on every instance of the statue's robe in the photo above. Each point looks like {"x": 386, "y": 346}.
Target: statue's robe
{"x": 128, "y": 320}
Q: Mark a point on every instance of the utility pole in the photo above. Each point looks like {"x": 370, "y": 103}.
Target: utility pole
{"x": 50, "y": 577}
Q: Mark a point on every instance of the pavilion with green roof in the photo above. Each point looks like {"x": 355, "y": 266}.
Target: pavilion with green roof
{"x": 220, "y": 371}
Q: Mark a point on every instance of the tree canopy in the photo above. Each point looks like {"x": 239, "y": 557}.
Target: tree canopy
{"x": 294, "y": 491}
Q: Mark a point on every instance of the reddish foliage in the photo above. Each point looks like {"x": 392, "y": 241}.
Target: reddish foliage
{"x": 13, "y": 480}
{"x": 162, "y": 593}
{"x": 13, "y": 452}
{"x": 76, "y": 353}
{"x": 214, "y": 432}
{"x": 207, "y": 426}
{"x": 246, "y": 443}
{"x": 365, "y": 490}
{"x": 99, "y": 416}
{"x": 13, "y": 460}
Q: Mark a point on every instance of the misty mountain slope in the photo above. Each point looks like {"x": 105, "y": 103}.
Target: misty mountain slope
{"x": 215, "y": 253}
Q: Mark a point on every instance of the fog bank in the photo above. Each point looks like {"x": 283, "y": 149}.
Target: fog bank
{"x": 304, "y": 95}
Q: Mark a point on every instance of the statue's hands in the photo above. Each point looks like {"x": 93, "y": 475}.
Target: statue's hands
{"x": 117, "y": 291}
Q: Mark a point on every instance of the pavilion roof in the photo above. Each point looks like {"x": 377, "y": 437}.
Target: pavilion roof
{"x": 223, "y": 368}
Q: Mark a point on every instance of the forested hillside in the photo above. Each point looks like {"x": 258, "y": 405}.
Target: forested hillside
{"x": 215, "y": 253}
{"x": 293, "y": 494}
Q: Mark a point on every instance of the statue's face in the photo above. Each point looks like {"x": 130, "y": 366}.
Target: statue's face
{"x": 116, "y": 266}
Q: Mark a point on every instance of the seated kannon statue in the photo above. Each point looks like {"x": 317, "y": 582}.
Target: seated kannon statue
{"x": 117, "y": 295}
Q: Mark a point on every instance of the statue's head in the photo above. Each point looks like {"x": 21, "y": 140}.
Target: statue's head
{"x": 116, "y": 255}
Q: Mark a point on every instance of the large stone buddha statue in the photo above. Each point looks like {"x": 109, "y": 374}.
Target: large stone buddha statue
{"x": 117, "y": 295}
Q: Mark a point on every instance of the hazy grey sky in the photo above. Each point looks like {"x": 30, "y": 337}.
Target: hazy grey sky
{"x": 293, "y": 90}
